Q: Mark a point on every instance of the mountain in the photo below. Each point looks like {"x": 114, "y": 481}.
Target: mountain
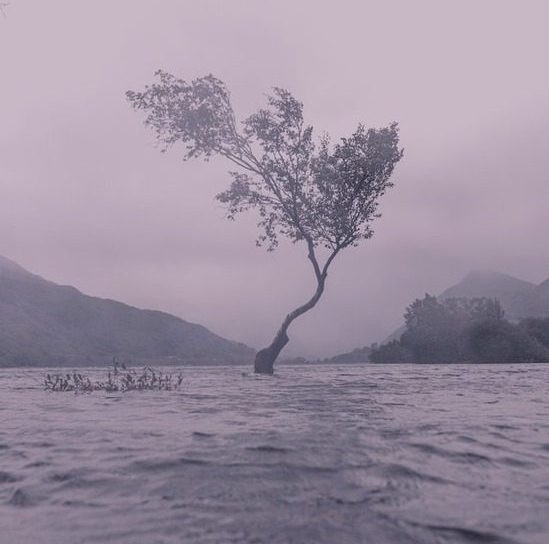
{"x": 42, "y": 323}
{"x": 519, "y": 299}
{"x": 516, "y": 296}
{"x": 538, "y": 302}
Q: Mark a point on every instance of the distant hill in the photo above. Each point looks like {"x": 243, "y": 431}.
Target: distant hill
{"x": 537, "y": 304}
{"x": 516, "y": 296}
{"x": 358, "y": 355}
{"x": 42, "y": 323}
{"x": 520, "y": 299}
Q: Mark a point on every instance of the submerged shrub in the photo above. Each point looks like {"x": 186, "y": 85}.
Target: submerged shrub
{"x": 119, "y": 379}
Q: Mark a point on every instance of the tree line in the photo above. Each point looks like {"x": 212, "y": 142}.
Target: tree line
{"x": 463, "y": 330}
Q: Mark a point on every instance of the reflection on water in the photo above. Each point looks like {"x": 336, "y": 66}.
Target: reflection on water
{"x": 348, "y": 454}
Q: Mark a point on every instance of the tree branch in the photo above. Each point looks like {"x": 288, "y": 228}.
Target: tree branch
{"x": 329, "y": 261}
{"x": 312, "y": 257}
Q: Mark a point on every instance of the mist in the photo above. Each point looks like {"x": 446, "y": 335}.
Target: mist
{"x": 88, "y": 200}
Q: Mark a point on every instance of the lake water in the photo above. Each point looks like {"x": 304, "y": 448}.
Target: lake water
{"x": 326, "y": 454}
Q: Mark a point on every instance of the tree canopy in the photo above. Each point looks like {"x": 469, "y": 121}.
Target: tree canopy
{"x": 304, "y": 190}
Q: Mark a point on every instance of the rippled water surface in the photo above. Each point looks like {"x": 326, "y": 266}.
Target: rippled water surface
{"x": 328, "y": 454}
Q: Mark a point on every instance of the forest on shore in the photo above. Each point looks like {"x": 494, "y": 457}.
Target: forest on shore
{"x": 465, "y": 330}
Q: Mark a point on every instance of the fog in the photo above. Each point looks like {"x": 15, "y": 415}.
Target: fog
{"x": 88, "y": 200}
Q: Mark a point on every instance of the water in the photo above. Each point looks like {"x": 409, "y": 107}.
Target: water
{"x": 346, "y": 454}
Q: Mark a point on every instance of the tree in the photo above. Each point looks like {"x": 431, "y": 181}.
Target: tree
{"x": 323, "y": 195}
{"x": 392, "y": 352}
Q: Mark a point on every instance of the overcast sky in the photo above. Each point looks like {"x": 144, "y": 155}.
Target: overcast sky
{"x": 86, "y": 198}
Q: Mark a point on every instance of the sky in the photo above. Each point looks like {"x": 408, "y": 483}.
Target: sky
{"x": 87, "y": 199}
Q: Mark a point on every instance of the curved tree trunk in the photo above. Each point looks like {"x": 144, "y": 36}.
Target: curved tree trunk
{"x": 265, "y": 358}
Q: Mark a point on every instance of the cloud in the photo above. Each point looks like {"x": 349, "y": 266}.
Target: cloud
{"x": 87, "y": 199}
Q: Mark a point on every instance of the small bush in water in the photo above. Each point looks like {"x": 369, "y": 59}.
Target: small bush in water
{"x": 119, "y": 379}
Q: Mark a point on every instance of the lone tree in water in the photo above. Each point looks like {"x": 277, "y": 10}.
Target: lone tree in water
{"x": 323, "y": 195}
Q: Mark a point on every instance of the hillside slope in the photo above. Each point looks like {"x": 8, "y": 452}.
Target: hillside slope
{"x": 516, "y": 296}
{"x": 520, "y": 299}
{"x": 42, "y": 323}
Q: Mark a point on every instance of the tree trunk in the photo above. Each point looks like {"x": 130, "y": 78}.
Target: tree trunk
{"x": 265, "y": 358}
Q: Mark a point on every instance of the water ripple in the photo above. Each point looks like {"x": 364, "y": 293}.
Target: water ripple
{"x": 396, "y": 454}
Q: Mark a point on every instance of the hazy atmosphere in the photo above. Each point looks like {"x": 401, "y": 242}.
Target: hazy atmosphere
{"x": 381, "y": 376}
{"x": 87, "y": 199}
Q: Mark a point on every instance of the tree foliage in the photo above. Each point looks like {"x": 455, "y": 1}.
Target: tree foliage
{"x": 537, "y": 328}
{"x": 324, "y": 194}
{"x": 462, "y": 330}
